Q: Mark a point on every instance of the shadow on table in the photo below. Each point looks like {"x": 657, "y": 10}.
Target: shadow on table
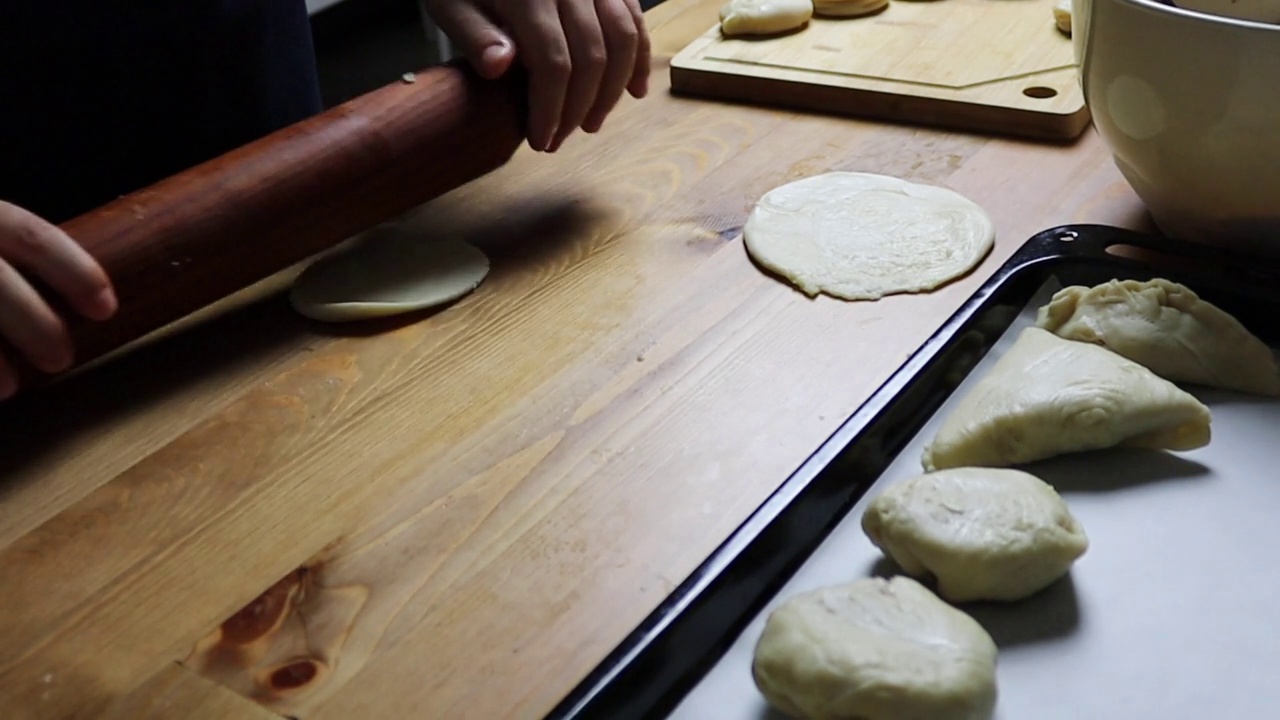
{"x": 1051, "y": 613}
{"x": 1115, "y": 469}
{"x": 42, "y": 422}
{"x": 39, "y": 423}
{"x": 535, "y": 234}
{"x": 1048, "y": 615}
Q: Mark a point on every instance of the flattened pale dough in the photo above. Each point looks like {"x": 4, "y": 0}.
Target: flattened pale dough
{"x": 764, "y": 17}
{"x": 876, "y": 649}
{"x": 982, "y": 533}
{"x": 1062, "y": 16}
{"x": 848, "y": 8}
{"x": 1048, "y": 396}
{"x": 860, "y": 236}
{"x": 388, "y": 272}
{"x": 1167, "y": 328}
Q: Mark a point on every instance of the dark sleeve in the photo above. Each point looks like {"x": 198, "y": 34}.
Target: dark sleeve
{"x": 103, "y": 97}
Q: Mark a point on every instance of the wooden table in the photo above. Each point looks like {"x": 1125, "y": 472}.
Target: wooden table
{"x": 459, "y": 515}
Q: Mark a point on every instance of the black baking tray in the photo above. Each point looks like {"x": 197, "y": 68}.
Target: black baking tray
{"x": 649, "y": 673}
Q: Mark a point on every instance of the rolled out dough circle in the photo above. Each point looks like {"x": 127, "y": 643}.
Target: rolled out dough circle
{"x": 860, "y": 236}
{"x": 388, "y": 272}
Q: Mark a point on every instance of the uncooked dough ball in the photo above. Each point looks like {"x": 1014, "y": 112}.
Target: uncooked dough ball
{"x": 388, "y": 272}
{"x": 982, "y": 533}
{"x": 1048, "y": 396}
{"x": 1167, "y": 328}
{"x": 848, "y": 8}
{"x": 1062, "y": 16}
{"x": 764, "y": 17}
{"x": 876, "y": 649}
{"x": 860, "y": 236}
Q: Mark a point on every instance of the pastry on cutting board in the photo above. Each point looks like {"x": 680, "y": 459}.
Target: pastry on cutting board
{"x": 861, "y": 236}
{"x": 1048, "y": 396}
{"x": 1167, "y": 328}
{"x": 1062, "y": 16}
{"x": 848, "y": 8}
{"x": 388, "y": 272}
{"x": 764, "y": 17}
{"x": 876, "y": 649}
{"x": 981, "y": 533}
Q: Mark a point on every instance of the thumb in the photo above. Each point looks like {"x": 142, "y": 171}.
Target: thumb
{"x": 489, "y": 50}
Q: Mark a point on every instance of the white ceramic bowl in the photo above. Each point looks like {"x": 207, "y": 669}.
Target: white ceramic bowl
{"x": 1189, "y": 105}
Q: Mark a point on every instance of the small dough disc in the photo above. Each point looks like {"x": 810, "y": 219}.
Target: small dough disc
{"x": 1048, "y": 396}
{"x": 876, "y": 649}
{"x": 388, "y": 272}
{"x": 848, "y": 8}
{"x": 764, "y": 17}
{"x": 1167, "y": 328}
{"x": 983, "y": 533}
{"x": 860, "y": 236}
{"x": 1062, "y": 16}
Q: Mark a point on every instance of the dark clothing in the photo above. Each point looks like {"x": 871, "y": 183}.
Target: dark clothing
{"x": 99, "y": 98}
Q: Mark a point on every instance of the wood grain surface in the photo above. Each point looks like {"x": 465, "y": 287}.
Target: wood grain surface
{"x": 458, "y": 514}
{"x": 979, "y": 65}
{"x": 176, "y": 693}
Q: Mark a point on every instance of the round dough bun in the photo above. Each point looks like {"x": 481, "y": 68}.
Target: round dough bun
{"x": 764, "y": 17}
{"x": 848, "y": 8}
{"x": 983, "y": 533}
{"x": 388, "y": 272}
{"x": 876, "y": 649}
{"x": 860, "y": 236}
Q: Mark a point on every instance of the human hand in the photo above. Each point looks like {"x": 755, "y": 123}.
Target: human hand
{"x": 27, "y": 321}
{"x": 580, "y": 54}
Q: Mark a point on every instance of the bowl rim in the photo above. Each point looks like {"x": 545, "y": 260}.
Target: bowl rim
{"x": 1155, "y": 6}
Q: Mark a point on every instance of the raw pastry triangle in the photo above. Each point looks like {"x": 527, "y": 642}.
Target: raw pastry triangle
{"x": 1048, "y": 396}
{"x": 1167, "y": 328}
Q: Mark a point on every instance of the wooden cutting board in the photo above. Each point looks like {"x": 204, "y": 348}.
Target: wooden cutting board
{"x": 994, "y": 66}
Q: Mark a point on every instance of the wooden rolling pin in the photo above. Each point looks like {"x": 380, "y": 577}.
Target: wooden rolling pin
{"x": 206, "y": 233}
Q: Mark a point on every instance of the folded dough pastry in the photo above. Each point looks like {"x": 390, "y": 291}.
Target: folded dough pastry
{"x": 1167, "y": 328}
{"x": 982, "y": 533}
{"x": 764, "y": 17}
{"x": 1048, "y": 396}
{"x": 876, "y": 649}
